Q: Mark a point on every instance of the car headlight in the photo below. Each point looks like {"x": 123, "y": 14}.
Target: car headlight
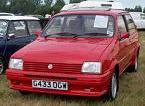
{"x": 16, "y": 64}
{"x": 92, "y": 67}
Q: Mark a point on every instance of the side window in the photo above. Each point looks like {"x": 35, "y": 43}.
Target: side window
{"x": 121, "y": 25}
{"x": 18, "y": 28}
{"x": 34, "y": 26}
{"x": 130, "y": 23}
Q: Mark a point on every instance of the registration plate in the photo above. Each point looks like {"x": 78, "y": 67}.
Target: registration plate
{"x": 50, "y": 85}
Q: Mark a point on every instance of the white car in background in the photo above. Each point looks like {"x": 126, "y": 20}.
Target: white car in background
{"x": 139, "y": 19}
{"x": 70, "y": 6}
{"x": 111, "y": 4}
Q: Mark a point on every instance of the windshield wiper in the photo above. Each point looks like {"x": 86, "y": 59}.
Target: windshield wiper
{"x": 75, "y": 35}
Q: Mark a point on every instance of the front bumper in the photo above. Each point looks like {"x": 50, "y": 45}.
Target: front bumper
{"x": 78, "y": 84}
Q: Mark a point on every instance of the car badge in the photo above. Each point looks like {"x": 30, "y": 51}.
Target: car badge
{"x": 50, "y": 66}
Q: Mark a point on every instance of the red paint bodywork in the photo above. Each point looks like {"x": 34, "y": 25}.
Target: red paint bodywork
{"x": 68, "y": 54}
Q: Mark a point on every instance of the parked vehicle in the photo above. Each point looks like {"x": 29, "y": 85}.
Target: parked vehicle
{"x": 112, "y": 4}
{"x": 70, "y": 6}
{"x": 43, "y": 20}
{"x": 15, "y": 33}
{"x": 94, "y": 4}
{"x": 37, "y": 16}
{"x": 139, "y": 19}
{"x": 81, "y": 52}
{"x": 6, "y": 14}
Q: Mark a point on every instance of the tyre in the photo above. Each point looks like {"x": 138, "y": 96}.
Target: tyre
{"x": 2, "y": 66}
{"x": 134, "y": 67}
{"x": 114, "y": 86}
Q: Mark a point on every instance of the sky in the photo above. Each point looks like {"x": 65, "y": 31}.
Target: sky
{"x": 133, "y": 3}
{"x": 126, "y": 3}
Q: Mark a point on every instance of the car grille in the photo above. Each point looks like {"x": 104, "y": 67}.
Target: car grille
{"x": 57, "y": 67}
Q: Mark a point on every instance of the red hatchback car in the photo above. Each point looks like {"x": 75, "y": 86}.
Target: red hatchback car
{"x": 81, "y": 52}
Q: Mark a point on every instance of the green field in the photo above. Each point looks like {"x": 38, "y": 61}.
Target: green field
{"x": 132, "y": 91}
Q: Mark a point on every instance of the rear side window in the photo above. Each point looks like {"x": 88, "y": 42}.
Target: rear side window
{"x": 130, "y": 23}
{"x": 18, "y": 28}
{"x": 121, "y": 25}
{"x": 34, "y": 26}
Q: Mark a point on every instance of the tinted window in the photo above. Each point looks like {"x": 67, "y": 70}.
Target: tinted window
{"x": 81, "y": 24}
{"x": 34, "y": 26}
{"x": 121, "y": 25}
{"x": 18, "y": 28}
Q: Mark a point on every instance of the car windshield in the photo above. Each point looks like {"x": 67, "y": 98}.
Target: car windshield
{"x": 83, "y": 25}
{"x": 3, "y": 27}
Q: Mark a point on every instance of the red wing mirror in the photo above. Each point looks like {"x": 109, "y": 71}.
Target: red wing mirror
{"x": 37, "y": 33}
{"x": 124, "y": 35}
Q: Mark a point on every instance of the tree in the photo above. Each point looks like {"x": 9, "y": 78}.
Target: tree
{"x": 58, "y": 6}
{"x": 36, "y": 2}
{"x": 43, "y": 9}
{"x": 138, "y": 9}
{"x": 129, "y": 9}
{"x": 76, "y": 1}
{"x": 48, "y": 2}
{"x": 22, "y": 6}
{"x": 144, "y": 10}
{"x": 3, "y": 5}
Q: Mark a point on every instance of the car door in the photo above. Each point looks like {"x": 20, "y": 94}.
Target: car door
{"x": 133, "y": 38}
{"x": 123, "y": 56}
{"x": 17, "y": 37}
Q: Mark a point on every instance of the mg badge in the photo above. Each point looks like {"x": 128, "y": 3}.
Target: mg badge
{"x": 50, "y": 66}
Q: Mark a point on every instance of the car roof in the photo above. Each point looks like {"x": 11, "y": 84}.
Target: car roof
{"x": 93, "y": 11}
{"x": 17, "y": 18}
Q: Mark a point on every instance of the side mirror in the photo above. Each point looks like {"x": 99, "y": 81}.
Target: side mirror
{"x": 11, "y": 36}
{"x": 124, "y": 35}
{"x": 37, "y": 33}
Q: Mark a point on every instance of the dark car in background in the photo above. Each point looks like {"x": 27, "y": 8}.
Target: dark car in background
{"x": 15, "y": 33}
{"x": 43, "y": 19}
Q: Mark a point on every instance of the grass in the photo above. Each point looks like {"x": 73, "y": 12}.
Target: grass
{"x": 132, "y": 91}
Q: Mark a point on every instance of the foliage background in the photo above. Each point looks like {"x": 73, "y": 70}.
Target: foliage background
{"x": 41, "y": 7}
